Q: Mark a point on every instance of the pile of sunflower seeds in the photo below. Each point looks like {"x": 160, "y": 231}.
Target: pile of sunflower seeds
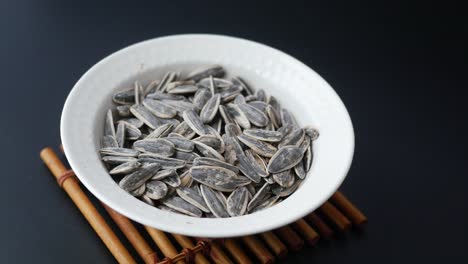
{"x": 204, "y": 145}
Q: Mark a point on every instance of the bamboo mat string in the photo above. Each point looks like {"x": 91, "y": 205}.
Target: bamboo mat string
{"x": 187, "y": 243}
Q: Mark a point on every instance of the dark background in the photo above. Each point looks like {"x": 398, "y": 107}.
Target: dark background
{"x": 400, "y": 68}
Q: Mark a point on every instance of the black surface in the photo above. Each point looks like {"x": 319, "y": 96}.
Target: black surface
{"x": 400, "y": 68}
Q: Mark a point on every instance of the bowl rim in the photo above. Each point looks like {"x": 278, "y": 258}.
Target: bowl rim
{"x": 195, "y": 232}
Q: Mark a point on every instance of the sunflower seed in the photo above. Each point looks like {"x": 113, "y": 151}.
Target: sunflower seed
{"x": 124, "y": 97}
{"x": 239, "y": 116}
{"x": 201, "y": 97}
{"x": 116, "y": 160}
{"x": 264, "y": 135}
{"x": 308, "y": 157}
{"x": 182, "y": 206}
{"x": 109, "y": 142}
{"x": 210, "y": 109}
{"x": 208, "y": 151}
{"x": 240, "y": 82}
{"x": 139, "y": 177}
{"x": 229, "y": 151}
{"x": 180, "y": 106}
{"x": 287, "y": 119}
{"x": 132, "y": 132}
{"x": 284, "y": 178}
{"x": 283, "y": 192}
{"x": 217, "y": 125}
{"x": 161, "y": 174}
{"x": 187, "y": 156}
{"x": 255, "y": 116}
{"x": 125, "y": 168}
{"x": 167, "y": 78}
{"x": 213, "y": 201}
{"x": 160, "y": 132}
{"x": 260, "y": 147}
{"x": 215, "y": 163}
{"x": 158, "y": 146}
{"x": 227, "y": 118}
{"x": 237, "y": 202}
{"x": 147, "y": 200}
{"x": 299, "y": 170}
{"x": 156, "y": 189}
{"x": 172, "y": 180}
{"x": 136, "y": 89}
{"x": 193, "y": 120}
{"x": 312, "y": 132}
{"x": 183, "y": 89}
{"x": 294, "y": 138}
{"x": 218, "y": 178}
{"x": 259, "y": 196}
{"x": 265, "y": 204}
{"x": 240, "y": 99}
{"x": 206, "y": 71}
{"x": 261, "y": 95}
{"x": 230, "y": 93}
{"x": 123, "y": 110}
{"x": 166, "y": 163}
{"x": 232, "y": 130}
{"x": 151, "y": 87}
{"x": 139, "y": 191}
{"x": 109, "y": 128}
{"x": 120, "y": 134}
{"x": 273, "y": 116}
{"x": 257, "y": 163}
{"x": 260, "y": 105}
{"x": 218, "y": 82}
{"x": 286, "y": 158}
{"x": 211, "y": 141}
{"x": 250, "y": 98}
{"x": 305, "y": 144}
{"x": 124, "y": 152}
{"x": 193, "y": 196}
{"x": 165, "y": 96}
{"x": 159, "y": 109}
{"x": 186, "y": 179}
{"x": 142, "y": 113}
{"x": 269, "y": 180}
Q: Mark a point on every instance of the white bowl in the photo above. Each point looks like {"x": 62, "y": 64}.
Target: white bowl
{"x": 298, "y": 88}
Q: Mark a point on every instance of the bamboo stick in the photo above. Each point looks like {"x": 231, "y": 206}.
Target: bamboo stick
{"x": 323, "y": 229}
{"x": 307, "y": 232}
{"x": 88, "y": 210}
{"x": 163, "y": 243}
{"x": 349, "y": 209}
{"x": 186, "y": 242}
{"x": 275, "y": 244}
{"x": 143, "y": 249}
{"x": 335, "y": 216}
{"x": 288, "y": 235}
{"x": 259, "y": 250}
{"x": 236, "y": 252}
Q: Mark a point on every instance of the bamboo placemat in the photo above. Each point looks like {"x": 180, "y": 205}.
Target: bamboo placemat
{"x": 337, "y": 215}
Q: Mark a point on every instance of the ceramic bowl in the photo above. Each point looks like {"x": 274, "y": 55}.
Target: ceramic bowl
{"x": 301, "y": 90}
